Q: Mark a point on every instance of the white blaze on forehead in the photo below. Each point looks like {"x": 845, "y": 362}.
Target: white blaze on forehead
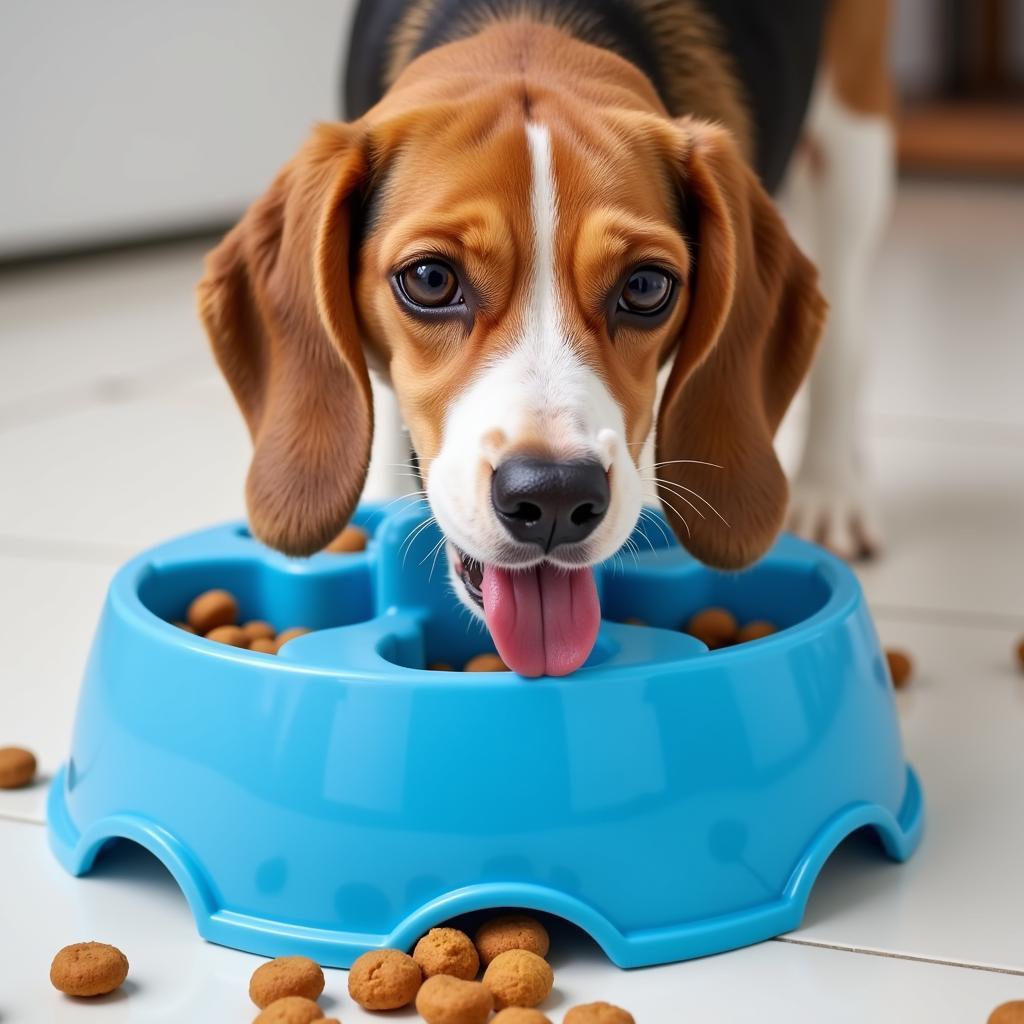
{"x": 541, "y": 384}
{"x": 543, "y": 325}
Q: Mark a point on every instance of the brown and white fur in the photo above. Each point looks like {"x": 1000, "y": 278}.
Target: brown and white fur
{"x": 838, "y": 194}
{"x": 514, "y": 154}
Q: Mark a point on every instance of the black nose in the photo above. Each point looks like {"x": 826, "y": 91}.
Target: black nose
{"x": 549, "y": 503}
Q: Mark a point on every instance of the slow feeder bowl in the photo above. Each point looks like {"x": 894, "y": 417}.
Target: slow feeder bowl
{"x": 670, "y": 801}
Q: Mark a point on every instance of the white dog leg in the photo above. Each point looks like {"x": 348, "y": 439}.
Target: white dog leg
{"x": 850, "y": 174}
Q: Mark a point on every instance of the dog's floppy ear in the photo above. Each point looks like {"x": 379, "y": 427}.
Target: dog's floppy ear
{"x": 754, "y": 318}
{"x": 276, "y": 301}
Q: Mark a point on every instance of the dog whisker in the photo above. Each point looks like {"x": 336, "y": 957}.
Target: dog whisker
{"x": 435, "y": 551}
{"x": 687, "y": 462}
{"x": 407, "y": 544}
{"x": 667, "y": 504}
{"x": 671, "y": 487}
{"x": 689, "y": 490}
{"x": 648, "y": 516}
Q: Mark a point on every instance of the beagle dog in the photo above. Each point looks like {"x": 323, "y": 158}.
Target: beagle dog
{"x": 534, "y": 209}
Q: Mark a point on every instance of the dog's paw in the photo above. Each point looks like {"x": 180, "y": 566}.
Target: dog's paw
{"x": 838, "y": 514}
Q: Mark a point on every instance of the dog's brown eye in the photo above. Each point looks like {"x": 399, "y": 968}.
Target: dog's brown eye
{"x": 647, "y": 291}
{"x": 431, "y": 284}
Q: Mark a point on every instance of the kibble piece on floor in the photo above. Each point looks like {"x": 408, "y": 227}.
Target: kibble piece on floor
{"x": 440, "y": 666}
{"x": 256, "y": 629}
{"x": 291, "y": 634}
{"x": 1020, "y": 653}
{"x": 286, "y": 976}
{"x": 518, "y": 977}
{"x": 233, "y": 636}
{"x": 1008, "y": 1013}
{"x": 716, "y": 627}
{"x": 265, "y": 645}
{"x": 520, "y": 1015}
{"x": 447, "y": 1000}
{"x": 756, "y": 630}
{"x": 447, "y": 951}
{"x": 513, "y": 931}
{"x": 290, "y": 1010}
{"x": 485, "y": 663}
{"x": 88, "y": 969}
{"x": 384, "y": 979}
{"x": 17, "y": 767}
{"x": 350, "y": 540}
{"x": 212, "y": 609}
{"x": 185, "y": 626}
{"x": 901, "y": 668}
{"x": 598, "y": 1013}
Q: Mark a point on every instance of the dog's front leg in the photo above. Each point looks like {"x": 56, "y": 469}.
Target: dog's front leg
{"x": 845, "y": 178}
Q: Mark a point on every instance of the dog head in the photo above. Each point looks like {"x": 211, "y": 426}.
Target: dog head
{"x": 520, "y": 258}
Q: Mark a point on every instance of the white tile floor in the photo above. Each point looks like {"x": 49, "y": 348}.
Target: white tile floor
{"x": 115, "y": 432}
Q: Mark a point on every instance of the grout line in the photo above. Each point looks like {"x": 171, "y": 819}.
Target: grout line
{"x": 966, "y": 432}
{"x": 141, "y": 243}
{"x": 937, "y": 961}
{"x": 21, "y": 819}
{"x": 56, "y": 550}
{"x": 100, "y": 391}
{"x": 946, "y": 616}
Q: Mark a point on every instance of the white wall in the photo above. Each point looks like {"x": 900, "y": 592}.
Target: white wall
{"x": 119, "y": 118}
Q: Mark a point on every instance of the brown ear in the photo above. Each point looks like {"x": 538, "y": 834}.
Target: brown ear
{"x": 277, "y": 305}
{"x": 750, "y": 332}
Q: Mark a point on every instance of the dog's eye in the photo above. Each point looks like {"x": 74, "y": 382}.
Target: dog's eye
{"x": 430, "y": 284}
{"x": 647, "y": 291}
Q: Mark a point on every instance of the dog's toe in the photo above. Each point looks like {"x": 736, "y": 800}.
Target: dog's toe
{"x": 843, "y": 523}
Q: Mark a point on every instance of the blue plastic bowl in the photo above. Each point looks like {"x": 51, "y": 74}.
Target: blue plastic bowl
{"x": 670, "y": 801}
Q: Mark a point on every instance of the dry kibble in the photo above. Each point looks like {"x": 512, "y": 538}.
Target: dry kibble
{"x": 447, "y": 1000}
{"x": 598, "y": 1013}
{"x": 88, "y": 969}
{"x": 1008, "y": 1013}
{"x": 440, "y": 666}
{"x": 351, "y": 539}
{"x": 520, "y": 1015}
{"x": 518, "y": 977}
{"x": 257, "y": 629}
{"x": 514, "y": 931}
{"x": 230, "y": 635}
{"x": 291, "y": 634}
{"x": 265, "y": 645}
{"x": 384, "y": 979}
{"x": 1020, "y": 653}
{"x": 901, "y": 668}
{"x": 290, "y": 1010}
{"x": 716, "y": 627}
{"x": 447, "y": 951}
{"x": 756, "y": 630}
{"x": 485, "y": 663}
{"x": 212, "y": 609}
{"x": 17, "y": 767}
{"x": 185, "y": 626}
{"x": 286, "y": 976}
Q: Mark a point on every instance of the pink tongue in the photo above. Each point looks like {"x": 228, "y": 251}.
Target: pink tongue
{"x": 543, "y": 620}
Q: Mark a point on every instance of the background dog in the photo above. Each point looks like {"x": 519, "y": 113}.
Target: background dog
{"x": 534, "y": 211}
